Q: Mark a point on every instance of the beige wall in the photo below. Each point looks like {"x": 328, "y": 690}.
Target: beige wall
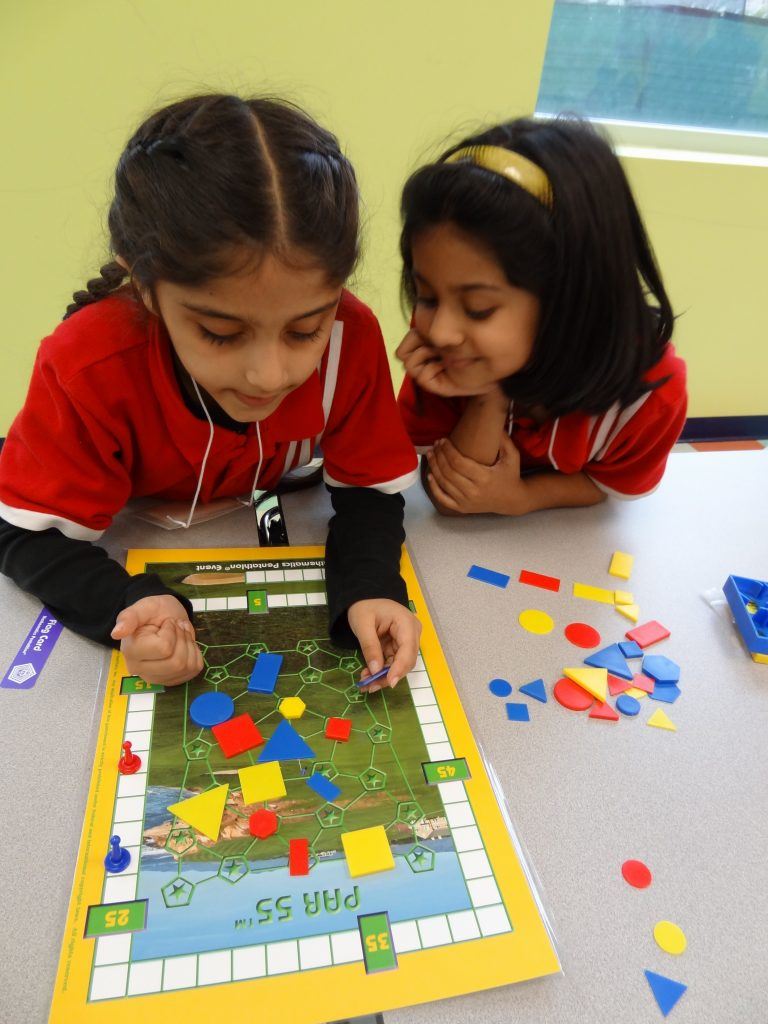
{"x": 389, "y": 78}
{"x": 392, "y": 80}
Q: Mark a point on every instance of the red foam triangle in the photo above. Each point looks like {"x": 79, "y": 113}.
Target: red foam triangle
{"x": 605, "y": 712}
{"x": 617, "y": 686}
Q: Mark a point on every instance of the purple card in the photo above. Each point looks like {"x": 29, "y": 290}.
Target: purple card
{"x": 33, "y": 653}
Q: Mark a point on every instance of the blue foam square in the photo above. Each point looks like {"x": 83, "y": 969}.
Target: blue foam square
{"x": 518, "y": 712}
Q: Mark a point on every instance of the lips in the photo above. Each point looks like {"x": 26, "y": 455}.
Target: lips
{"x": 255, "y": 401}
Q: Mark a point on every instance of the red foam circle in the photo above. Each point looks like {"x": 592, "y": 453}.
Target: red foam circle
{"x": 571, "y": 696}
{"x": 582, "y": 635}
{"x": 636, "y": 873}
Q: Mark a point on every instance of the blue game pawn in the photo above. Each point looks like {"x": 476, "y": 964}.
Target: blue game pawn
{"x": 118, "y": 858}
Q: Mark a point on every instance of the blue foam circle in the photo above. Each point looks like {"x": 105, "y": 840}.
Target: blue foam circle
{"x": 211, "y": 709}
{"x": 500, "y": 687}
{"x": 627, "y": 705}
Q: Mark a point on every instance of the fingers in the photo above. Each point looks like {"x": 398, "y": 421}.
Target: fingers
{"x": 167, "y": 655}
{"x": 410, "y": 344}
{"x": 405, "y": 631}
{"x": 441, "y": 496}
{"x": 370, "y": 644}
{"x": 460, "y": 464}
{"x": 453, "y": 484}
{"x": 126, "y": 623}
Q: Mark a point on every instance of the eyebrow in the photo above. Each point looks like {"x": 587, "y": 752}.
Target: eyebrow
{"x": 472, "y": 287}
{"x": 220, "y": 314}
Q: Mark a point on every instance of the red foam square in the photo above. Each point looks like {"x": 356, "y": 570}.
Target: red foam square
{"x": 237, "y": 735}
{"x": 338, "y": 729}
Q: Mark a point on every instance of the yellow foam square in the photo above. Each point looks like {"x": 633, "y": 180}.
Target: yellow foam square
{"x": 761, "y": 658}
{"x": 367, "y": 851}
{"x": 593, "y": 593}
{"x": 629, "y": 611}
{"x": 621, "y": 565}
{"x": 261, "y": 782}
{"x": 622, "y": 597}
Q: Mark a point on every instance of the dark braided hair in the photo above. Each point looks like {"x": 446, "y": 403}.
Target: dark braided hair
{"x": 213, "y": 172}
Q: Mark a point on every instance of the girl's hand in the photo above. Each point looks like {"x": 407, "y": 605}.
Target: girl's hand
{"x": 388, "y": 634}
{"x": 465, "y": 486}
{"x": 424, "y": 364}
{"x": 158, "y": 640}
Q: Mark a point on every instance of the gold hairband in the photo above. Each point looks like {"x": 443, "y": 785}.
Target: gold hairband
{"x": 510, "y": 165}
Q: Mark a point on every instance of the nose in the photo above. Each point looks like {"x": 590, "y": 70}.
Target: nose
{"x": 265, "y": 370}
{"x": 444, "y": 329}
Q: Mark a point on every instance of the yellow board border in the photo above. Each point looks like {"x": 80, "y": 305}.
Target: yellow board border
{"x": 325, "y": 994}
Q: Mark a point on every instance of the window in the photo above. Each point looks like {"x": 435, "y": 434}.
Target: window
{"x": 700, "y": 64}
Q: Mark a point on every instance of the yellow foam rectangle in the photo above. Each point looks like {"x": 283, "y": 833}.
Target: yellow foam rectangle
{"x": 593, "y": 593}
{"x": 621, "y": 565}
{"x": 762, "y": 658}
{"x": 623, "y": 597}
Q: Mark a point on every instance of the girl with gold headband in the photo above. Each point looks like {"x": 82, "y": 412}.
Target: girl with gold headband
{"x": 540, "y": 371}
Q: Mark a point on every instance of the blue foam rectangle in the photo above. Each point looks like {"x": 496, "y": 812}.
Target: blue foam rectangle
{"x": 323, "y": 787}
{"x": 496, "y": 579}
{"x": 265, "y": 672}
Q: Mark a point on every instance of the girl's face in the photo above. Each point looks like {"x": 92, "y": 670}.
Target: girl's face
{"x": 251, "y": 337}
{"x": 480, "y": 326}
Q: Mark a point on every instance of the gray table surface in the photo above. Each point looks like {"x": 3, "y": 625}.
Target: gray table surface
{"x": 584, "y": 795}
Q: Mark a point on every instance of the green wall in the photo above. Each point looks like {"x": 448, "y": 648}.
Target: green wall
{"x": 389, "y": 78}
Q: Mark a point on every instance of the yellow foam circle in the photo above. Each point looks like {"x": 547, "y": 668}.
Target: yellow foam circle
{"x": 536, "y": 622}
{"x": 670, "y": 937}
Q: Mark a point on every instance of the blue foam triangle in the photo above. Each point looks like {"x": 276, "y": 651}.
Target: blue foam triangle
{"x": 536, "y": 689}
{"x": 285, "y": 744}
{"x": 666, "y": 992}
{"x": 612, "y": 659}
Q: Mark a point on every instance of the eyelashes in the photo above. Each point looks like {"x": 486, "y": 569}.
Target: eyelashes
{"x": 471, "y": 314}
{"x": 224, "y": 339}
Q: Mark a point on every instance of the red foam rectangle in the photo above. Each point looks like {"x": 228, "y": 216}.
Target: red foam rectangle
{"x": 536, "y": 579}
{"x": 298, "y": 856}
{"x": 647, "y": 634}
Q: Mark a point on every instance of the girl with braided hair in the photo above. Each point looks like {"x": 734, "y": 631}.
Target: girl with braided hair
{"x": 213, "y": 354}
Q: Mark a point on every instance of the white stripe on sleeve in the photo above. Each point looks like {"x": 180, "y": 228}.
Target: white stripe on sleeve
{"x": 39, "y": 521}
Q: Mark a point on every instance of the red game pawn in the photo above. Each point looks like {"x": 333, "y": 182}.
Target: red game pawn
{"x": 129, "y": 763}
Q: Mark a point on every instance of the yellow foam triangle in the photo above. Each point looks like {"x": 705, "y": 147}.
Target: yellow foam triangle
{"x": 629, "y": 611}
{"x": 661, "y": 720}
{"x": 593, "y": 680}
{"x": 203, "y": 812}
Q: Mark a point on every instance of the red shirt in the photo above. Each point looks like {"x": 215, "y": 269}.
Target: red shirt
{"x": 624, "y": 450}
{"x": 105, "y": 421}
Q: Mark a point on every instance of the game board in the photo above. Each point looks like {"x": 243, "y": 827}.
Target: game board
{"x": 202, "y": 927}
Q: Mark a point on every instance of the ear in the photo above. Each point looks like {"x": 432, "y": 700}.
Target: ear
{"x": 142, "y": 293}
